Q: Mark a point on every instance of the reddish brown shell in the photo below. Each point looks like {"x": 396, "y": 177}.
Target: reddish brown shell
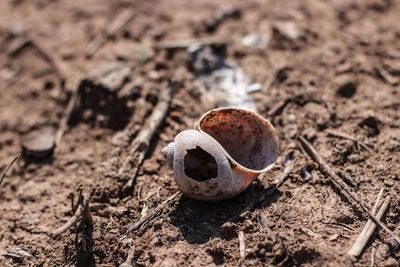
{"x": 248, "y": 139}
{"x": 230, "y": 148}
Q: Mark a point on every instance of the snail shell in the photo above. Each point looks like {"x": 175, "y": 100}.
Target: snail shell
{"x": 228, "y": 149}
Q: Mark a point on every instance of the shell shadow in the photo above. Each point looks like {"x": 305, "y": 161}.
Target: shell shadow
{"x": 200, "y": 221}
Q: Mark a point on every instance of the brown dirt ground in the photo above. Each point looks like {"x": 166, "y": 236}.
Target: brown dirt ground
{"x": 342, "y": 53}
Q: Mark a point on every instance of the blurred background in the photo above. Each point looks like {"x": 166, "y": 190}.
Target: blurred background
{"x": 79, "y": 81}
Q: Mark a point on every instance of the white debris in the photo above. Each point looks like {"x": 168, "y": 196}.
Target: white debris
{"x": 17, "y": 253}
{"x": 220, "y": 80}
{"x": 255, "y": 40}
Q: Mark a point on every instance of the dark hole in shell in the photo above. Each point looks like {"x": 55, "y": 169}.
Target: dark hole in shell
{"x": 200, "y": 165}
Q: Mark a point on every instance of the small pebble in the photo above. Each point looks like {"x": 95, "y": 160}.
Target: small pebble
{"x": 40, "y": 145}
{"x": 347, "y": 89}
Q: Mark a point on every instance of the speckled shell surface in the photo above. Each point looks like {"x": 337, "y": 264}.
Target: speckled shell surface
{"x": 227, "y": 151}
{"x": 248, "y": 139}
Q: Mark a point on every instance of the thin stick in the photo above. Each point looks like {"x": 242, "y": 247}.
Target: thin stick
{"x": 141, "y": 143}
{"x": 362, "y": 239}
{"x": 18, "y": 45}
{"x": 152, "y": 214}
{"x": 86, "y": 215}
{"x": 129, "y": 259}
{"x": 381, "y": 211}
{"x": 73, "y": 208}
{"x": 149, "y": 195}
{"x": 378, "y": 199}
{"x": 385, "y": 170}
{"x": 373, "y": 257}
{"x": 271, "y": 189}
{"x": 278, "y": 107}
{"x": 264, "y": 223}
{"x": 119, "y": 22}
{"x": 64, "y": 121}
{"x": 72, "y": 202}
{"x": 342, "y": 185}
{"x": 78, "y": 189}
{"x": 348, "y": 227}
{"x": 8, "y": 167}
{"x": 384, "y": 75}
{"x": 242, "y": 246}
{"x": 71, "y": 221}
{"x": 50, "y": 57}
{"x": 348, "y": 137}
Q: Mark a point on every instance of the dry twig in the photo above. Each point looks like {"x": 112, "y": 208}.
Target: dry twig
{"x": 50, "y": 58}
{"x": 8, "y": 167}
{"x": 24, "y": 41}
{"x": 342, "y": 185}
{"x": 141, "y": 143}
{"x": 278, "y": 107}
{"x": 129, "y": 259}
{"x": 71, "y": 221}
{"x": 64, "y": 121}
{"x": 119, "y": 22}
{"x": 373, "y": 257}
{"x": 18, "y": 45}
{"x": 385, "y": 76}
{"x": 152, "y": 214}
{"x": 386, "y": 169}
{"x": 348, "y": 137}
{"x": 242, "y": 246}
{"x": 369, "y": 227}
{"x": 271, "y": 189}
{"x": 86, "y": 215}
{"x": 82, "y": 208}
{"x": 149, "y": 195}
{"x": 264, "y": 223}
{"x": 73, "y": 207}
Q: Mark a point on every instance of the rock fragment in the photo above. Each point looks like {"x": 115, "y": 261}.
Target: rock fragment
{"x": 39, "y": 145}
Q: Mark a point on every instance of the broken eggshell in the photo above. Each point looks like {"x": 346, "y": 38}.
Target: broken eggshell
{"x": 227, "y": 151}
